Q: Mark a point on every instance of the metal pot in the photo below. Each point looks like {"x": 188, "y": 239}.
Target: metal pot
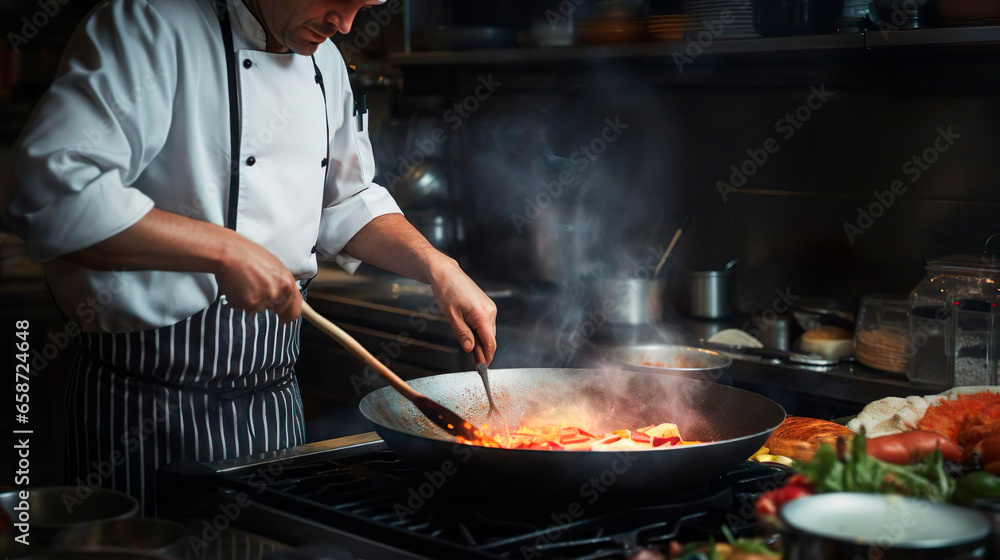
{"x": 680, "y": 361}
{"x": 49, "y": 513}
{"x": 151, "y": 536}
{"x": 848, "y": 525}
{"x": 710, "y": 294}
{"x": 629, "y": 301}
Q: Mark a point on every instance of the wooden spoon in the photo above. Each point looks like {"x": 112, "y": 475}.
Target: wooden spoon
{"x": 437, "y": 413}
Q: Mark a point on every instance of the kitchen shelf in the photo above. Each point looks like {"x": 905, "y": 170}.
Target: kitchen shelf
{"x": 985, "y": 36}
{"x": 953, "y": 36}
{"x": 637, "y": 50}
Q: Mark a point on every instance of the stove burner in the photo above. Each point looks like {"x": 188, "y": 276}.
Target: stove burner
{"x": 378, "y": 497}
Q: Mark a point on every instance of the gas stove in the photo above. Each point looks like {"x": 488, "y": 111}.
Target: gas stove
{"x": 357, "y": 494}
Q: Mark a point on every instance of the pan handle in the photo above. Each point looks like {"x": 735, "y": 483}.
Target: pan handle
{"x": 358, "y": 351}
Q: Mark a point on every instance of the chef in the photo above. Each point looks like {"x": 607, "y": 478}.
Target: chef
{"x": 178, "y": 182}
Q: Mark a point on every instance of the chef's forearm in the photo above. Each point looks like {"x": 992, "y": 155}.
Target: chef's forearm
{"x": 391, "y": 243}
{"x": 161, "y": 241}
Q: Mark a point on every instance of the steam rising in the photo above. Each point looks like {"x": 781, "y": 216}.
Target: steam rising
{"x": 609, "y": 399}
{"x": 593, "y": 399}
{"x": 579, "y": 190}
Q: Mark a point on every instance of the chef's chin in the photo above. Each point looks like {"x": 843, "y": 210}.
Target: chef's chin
{"x": 305, "y": 42}
{"x": 302, "y": 46}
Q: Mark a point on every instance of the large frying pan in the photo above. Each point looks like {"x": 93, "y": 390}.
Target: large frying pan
{"x": 733, "y": 423}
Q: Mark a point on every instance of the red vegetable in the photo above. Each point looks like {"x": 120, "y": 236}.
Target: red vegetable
{"x": 641, "y": 437}
{"x": 987, "y": 450}
{"x": 770, "y": 502}
{"x": 908, "y": 447}
{"x": 671, "y": 441}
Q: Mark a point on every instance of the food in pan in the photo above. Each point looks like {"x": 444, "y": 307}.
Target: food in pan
{"x": 562, "y": 437}
{"x": 683, "y": 362}
{"x": 799, "y": 437}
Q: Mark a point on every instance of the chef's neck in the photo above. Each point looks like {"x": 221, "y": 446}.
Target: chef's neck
{"x": 272, "y": 45}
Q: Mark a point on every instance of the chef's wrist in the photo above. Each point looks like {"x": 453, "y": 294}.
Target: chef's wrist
{"x": 439, "y": 267}
{"x": 224, "y": 254}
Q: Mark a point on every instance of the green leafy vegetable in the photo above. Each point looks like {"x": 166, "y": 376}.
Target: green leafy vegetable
{"x": 857, "y": 471}
{"x": 754, "y": 546}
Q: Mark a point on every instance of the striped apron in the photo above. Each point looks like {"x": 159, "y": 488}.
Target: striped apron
{"x": 217, "y": 385}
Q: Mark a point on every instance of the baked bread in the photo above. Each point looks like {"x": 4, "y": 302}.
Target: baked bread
{"x": 827, "y": 341}
{"x": 799, "y": 437}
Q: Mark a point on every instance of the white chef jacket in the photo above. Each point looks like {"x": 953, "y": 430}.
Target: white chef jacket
{"x": 138, "y": 118}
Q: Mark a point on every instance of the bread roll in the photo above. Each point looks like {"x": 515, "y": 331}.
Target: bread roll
{"x": 828, "y": 341}
{"x": 799, "y": 437}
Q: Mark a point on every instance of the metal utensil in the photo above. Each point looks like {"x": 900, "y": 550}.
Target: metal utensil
{"x": 494, "y": 414}
{"x": 444, "y": 418}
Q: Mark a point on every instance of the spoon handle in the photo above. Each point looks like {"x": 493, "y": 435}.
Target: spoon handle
{"x": 358, "y": 351}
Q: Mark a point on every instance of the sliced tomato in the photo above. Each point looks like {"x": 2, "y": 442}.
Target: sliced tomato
{"x": 641, "y": 437}
{"x": 770, "y": 502}
{"x": 669, "y": 441}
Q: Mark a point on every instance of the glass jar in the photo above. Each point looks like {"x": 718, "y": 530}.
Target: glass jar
{"x": 881, "y": 336}
{"x": 953, "y": 312}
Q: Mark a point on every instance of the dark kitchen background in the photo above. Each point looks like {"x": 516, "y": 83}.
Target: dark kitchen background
{"x": 519, "y": 91}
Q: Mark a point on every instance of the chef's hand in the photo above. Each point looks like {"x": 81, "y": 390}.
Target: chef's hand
{"x": 471, "y": 313}
{"x": 252, "y": 279}
{"x": 391, "y": 243}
